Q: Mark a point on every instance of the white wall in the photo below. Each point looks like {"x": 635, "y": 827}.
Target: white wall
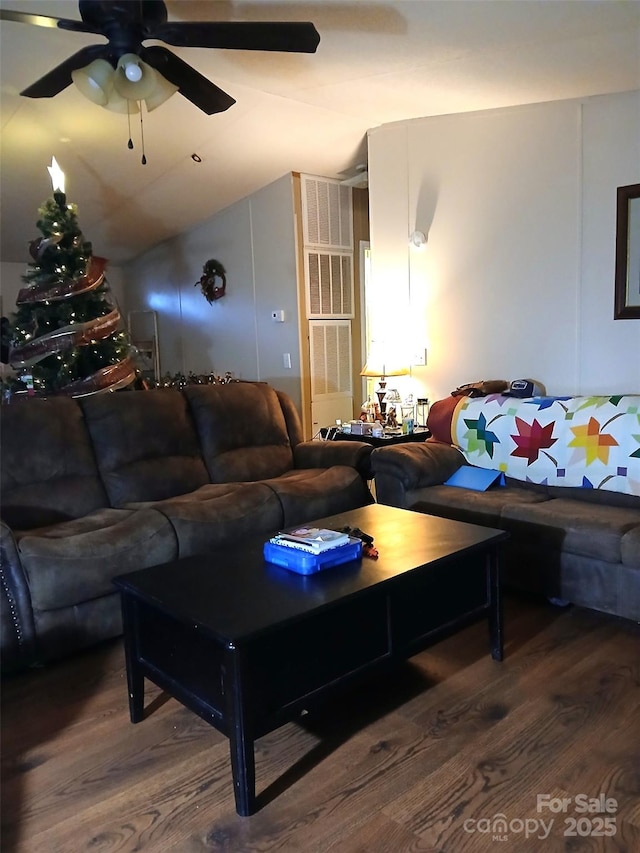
{"x": 608, "y": 348}
{"x": 517, "y": 278}
{"x": 254, "y": 239}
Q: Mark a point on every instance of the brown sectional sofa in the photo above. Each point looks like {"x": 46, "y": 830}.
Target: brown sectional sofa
{"x": 578, "y": 544}
{"x": 114, "y": 482}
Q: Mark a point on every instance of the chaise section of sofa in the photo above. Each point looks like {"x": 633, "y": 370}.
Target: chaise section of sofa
{"x": 98, "y": 486}
{"x": 578, "y": 542}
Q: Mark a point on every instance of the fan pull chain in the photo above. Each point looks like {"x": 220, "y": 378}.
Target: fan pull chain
{"x": 130, "y": 142}
{"x": 144, "y": 159}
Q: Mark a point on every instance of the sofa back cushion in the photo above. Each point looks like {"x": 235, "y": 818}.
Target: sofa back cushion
{"x": 48, "y": 469}
{"x": 242, "y": 429}
{"x": 145, "y": 444}
{"x": 292, "y": 419}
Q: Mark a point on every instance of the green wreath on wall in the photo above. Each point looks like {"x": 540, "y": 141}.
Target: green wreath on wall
{"x": 211, "y": 271}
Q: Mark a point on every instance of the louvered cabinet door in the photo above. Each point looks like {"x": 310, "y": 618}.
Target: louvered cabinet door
{"x": 329, "y": 283}
{"x": 327, "y": 217}
{"x": 327, "y": 227}
{"x": 331, "y": 383}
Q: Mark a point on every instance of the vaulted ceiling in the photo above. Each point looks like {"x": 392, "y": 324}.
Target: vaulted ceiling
{"x": 377, "y": 62}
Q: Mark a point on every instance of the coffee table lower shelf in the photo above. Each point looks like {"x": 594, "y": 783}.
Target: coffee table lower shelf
{"x": 302, "y": 637}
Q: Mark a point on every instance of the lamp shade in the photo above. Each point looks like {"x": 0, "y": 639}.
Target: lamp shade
{"x": 133, "y": 78}
{"x": 95, "y": 81}
{"x": 162, "y": 92}
{"x": 118, "y": 104}
{"x": 380, "y": 367}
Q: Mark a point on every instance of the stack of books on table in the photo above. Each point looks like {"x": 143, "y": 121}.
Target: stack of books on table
{"x": 309, "y": 549}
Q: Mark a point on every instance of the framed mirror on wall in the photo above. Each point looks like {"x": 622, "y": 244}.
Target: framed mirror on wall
{"x": 627, "y": 292}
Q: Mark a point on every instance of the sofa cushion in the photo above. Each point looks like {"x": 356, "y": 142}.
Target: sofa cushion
{"x": 242, "y": 430}
{"x": 476, "y": 507}
{"x": 576, "y": 527}
{"x": 67, "y": 629}
{"x": 628, "y": 601}
{"x": 427, "y": 463}
{"x": 49, "y": 473}
{"x": 630, "y": 548}
{"x": 291, "y": 417}
{"x": 145, "y": 443}
{"x": 221, "y": 514}
{"x": 311, "y": 493}
{"x": 74, "y": 561}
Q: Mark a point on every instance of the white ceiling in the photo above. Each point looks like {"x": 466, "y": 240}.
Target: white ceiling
{"x": 377, "y": 62}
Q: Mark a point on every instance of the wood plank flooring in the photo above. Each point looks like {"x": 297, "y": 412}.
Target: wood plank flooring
{"x": 427, "y": 759}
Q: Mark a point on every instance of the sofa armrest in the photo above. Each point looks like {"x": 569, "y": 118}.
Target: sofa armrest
{"x": 17, "y": 631}
{"x": 403, "y": 467}
{"x": 324, "y": 454}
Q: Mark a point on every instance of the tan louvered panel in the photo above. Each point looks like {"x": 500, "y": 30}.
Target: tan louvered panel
{"x": 330, "y": 357}
{"x": 329, "y": 280}
{"x": 327, "y": 215}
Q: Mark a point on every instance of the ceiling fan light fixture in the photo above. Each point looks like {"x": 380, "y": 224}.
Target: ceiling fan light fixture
{"x": 164, "y": 89}
{"x": 133, "y": 72}
{"x": 118, "y": 104}
{"x": 126, "y": 25}
{"x": 134, "y": 79}
{"x": 95, "y": 81}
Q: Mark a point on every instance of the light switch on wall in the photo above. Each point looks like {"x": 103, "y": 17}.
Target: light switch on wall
{"x": 278, "y": 316}
{"x": 286, "y": 360}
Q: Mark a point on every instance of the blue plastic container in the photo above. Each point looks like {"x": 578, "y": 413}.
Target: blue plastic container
{"x": 304, "y": 563}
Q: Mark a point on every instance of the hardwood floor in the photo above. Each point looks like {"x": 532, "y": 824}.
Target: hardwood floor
{"x": 425, "y": 760}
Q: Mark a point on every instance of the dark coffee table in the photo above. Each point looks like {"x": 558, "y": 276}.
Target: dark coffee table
{"x": 248, "y": 646}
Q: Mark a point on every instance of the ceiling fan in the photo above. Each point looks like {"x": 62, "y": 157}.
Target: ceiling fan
{"x": 127, "y": 23}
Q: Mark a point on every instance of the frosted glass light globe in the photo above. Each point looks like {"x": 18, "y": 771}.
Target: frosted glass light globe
{"x": 133, "y": 72}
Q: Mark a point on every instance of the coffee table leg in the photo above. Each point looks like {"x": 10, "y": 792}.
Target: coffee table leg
{"x": 243, "y": 766}
{"x": 135, "y": 678}
{"x": 496, "y": 627}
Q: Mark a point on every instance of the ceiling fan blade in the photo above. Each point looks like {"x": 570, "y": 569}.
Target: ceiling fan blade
{"x": 192, "y": 85}
{"x": 47, "y": 21}
{"x": 295, "y": 37}
{"x": 60, "y": 77}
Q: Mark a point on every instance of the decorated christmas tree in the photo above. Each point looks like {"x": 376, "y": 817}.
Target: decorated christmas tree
{"x": 65, "y": 335}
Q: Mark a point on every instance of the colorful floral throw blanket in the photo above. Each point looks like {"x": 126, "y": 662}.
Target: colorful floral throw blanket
{"x": 584, "y": 442}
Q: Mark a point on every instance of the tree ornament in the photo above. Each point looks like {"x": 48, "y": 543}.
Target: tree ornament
{"x": 211, "y": 270}
{"x": 39, "y": 246}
